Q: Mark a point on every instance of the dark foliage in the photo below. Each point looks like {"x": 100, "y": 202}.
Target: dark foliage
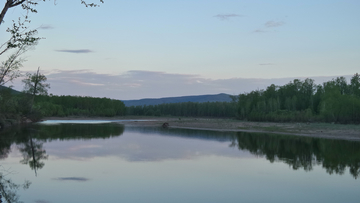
{"x": 79, "y": 106}
{"x": 303, "y": 101}
{"x": 191, "y": 109}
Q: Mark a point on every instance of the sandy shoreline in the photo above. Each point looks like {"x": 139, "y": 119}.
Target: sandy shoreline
{"x": 324, "y": 130}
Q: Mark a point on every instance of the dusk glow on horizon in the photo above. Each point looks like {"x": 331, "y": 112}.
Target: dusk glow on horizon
{"x": 152, "y": 49}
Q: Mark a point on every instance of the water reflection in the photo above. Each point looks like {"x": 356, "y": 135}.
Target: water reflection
{"x": 30, "y": 140}
{"x": 303, "y": 152}
{"x": 335, "y": 156}
{"x": 78, "y": 179}
{"x": 156, "y": 162}
{"x": 9, "y": 189}
{"x": 70, "y": 131}
{"x": 33, "y": 152}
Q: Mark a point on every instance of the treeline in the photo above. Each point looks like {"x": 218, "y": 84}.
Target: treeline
{"x": 333, "y": 101}
{"x": 13, "y": 106}
{"x": 192, "y": 109}
{"x": 298, "y": 101}
{"x": 78, "y": 106}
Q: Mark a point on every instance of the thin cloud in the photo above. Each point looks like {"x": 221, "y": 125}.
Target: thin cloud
{"x": 266, "y": 64}
{"x": 46, "y": 27}
{"x": 75, "y": 51}
{"x": 270, "y": 24}
{"x": 259, "y": 31}
{"x": 138, "y": 84}
{"x": 86, "y": 83}
{"x": 227, "y": 16}
{"x": 79, "y": 179}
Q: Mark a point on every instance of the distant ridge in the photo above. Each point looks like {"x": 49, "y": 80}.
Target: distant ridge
{"x": 8, "y": 88}
{"x": 200, "y": 99}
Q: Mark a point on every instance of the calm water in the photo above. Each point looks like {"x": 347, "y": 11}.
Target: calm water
{"x": 107, "y": 162}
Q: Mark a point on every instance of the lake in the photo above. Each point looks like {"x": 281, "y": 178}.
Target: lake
{"x": 100, "y": 161}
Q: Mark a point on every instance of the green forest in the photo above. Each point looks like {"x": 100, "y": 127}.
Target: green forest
{"x": 34, "y": 103}
{"x": 79, "y": 106}
{"x": 335, "y": 101}
{"x": 16, "y": 107}
{"x": 298, "y": 101}
{"x": 187, "y": 109}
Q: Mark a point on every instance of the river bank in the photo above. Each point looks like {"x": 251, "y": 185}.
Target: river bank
{"x": 325, "y": 130}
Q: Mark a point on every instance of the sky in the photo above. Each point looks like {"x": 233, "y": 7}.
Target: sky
{"x": 151, "y": 49}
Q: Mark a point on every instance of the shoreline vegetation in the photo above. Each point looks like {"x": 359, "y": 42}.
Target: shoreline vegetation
{"x": 335, "y": 101}
{"x": 299, "y": 107}
{"x": 322, "y": 130}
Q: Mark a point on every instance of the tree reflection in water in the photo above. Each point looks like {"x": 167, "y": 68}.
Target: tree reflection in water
{"x": 9, "y": 189}
{"x": 33, "y": 153}
{"x": 335, "y": 156}
{"x": 29, "y": 141}
{"x": 30, "y": 148}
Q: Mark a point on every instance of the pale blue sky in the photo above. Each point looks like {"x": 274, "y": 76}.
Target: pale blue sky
{"x": 208, "y": 39}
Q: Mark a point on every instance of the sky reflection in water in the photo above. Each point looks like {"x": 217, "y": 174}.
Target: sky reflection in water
{"x": 108, "y": 163}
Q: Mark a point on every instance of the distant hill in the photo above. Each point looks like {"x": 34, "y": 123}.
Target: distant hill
{"x": 200, "y": 98}
{"x": 11, "y": 90}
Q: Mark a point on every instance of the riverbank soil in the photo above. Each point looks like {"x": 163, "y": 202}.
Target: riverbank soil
{"x": 328, "y": 130}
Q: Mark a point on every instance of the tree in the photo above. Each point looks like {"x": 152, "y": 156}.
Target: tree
{"x": 35, "y": 84}
{"x": 21, "y": 37}
{"x": 9, "y": 69}
{"x": 29, "y": 5}
{"x": 355, "y": 85}
{"x": 20, "y": 33}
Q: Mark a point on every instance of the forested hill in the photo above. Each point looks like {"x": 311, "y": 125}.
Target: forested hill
{"x": 200, "y": 99}
{"x": 12, "y": 91}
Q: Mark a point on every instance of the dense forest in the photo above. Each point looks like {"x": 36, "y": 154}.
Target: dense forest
{"x": 193, "y": 109}
{"x": 15, "y": 106}
{"x": 298, "y": 101}
{"x": 79, "y": 106}
{"x": 334, "y": 101}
